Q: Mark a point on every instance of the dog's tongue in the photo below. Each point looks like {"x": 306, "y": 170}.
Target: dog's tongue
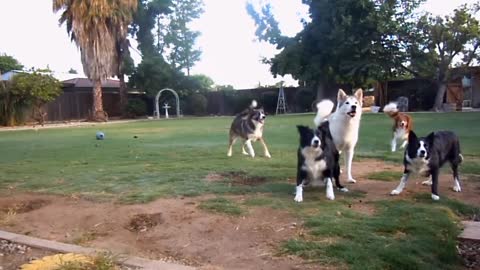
{"x": 352, "y": 113}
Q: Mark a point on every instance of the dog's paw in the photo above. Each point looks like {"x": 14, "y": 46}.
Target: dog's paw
{"x": 245, "y": 153}
{"x": 330, "y": 196}
{"x": 267, "y": 155}
{"x": 298, "y": 198}
{"x": 457, "y": 188}
{"x": 229, "y": 154}
{"x": 344, "y": 189}
{"x": 435, "y": 197}
{"x": 427, "y": 183}
{"x": 395, "y": 192}
{"x": 351, "y": 180}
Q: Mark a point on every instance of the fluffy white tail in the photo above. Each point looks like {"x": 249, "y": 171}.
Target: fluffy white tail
{"x": 254, "y": 104}
{"x": 324, "y": 109}
{"x": 391, "y": 108}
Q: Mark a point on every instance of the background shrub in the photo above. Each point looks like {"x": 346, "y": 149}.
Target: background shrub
{"x": 197, "y": 104}
{"x": 136, "y": 107}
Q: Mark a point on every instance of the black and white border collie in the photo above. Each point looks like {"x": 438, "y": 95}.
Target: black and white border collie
{"x": 425, "y": 156}
{"x": 317, "y": 161}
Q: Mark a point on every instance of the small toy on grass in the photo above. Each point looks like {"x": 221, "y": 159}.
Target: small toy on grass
{"x": 100, "y": 135}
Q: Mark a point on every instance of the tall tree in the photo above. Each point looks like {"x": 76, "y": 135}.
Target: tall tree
{"x": 145, "y": 20}
{"x": 96, "y": 26}
{"x": 8, "y": 63}
{"x": 441, "y": 42}
{"x": 125, "y": 66}
{"x": 344, "y": 41}
{"x": 178, "y": 37}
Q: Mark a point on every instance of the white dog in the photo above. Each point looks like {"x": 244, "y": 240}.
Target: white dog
{"x": 344, "y": 123}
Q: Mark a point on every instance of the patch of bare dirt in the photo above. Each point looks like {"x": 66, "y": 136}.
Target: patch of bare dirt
{"x": 24, "y": 206}
{"x": 362, "y": 207}
{"x": 184, "y": 233}
{"x": 238, "y": 178}
{"x": 144, "y": 222}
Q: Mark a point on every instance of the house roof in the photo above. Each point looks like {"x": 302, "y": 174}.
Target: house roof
{"x": 57, "y": 75}
{"x": 86, "y": 83}
{"x": 9, "y": 74}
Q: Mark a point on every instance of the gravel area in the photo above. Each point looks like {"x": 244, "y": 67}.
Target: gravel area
{"x": 13, "y": 255}
{"x": 470, "y": 253}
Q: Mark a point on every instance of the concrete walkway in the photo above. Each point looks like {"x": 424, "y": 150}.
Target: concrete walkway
{"x": 128, "y": 261}
{"x": 471, "y": 231}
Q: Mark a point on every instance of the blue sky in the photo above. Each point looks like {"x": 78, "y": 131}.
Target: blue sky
{"x": 30, "y": 32}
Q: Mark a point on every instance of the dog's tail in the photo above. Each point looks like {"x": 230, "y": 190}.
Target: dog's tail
{"x": 254, "y": 104}
{"x": 391, "y": 109}
{"x": 324, "y": 109}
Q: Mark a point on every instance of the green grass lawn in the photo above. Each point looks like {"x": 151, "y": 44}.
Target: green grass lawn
{"x": 173, "y": 158}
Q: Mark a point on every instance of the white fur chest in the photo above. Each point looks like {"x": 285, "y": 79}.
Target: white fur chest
{"x": 417, "y": 165}
{"x": 257, "y": 133}
{"x": 344, "y": 130}
{"x": 311, "y": 165}
{"x": 400, "y": 133}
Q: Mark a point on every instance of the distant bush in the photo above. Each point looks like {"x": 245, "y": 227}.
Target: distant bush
{"x": 197, "y": 104}
{"x": 26, "y": 92}
{"x": 304, "y": 99}
{"x": 269, "y": 101}
{"x": 136, "y": 107}
{"x": 237, "y": 101}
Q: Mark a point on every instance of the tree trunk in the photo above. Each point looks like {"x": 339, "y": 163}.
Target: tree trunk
{"x": 123, "y": 94}
{"x": 98, "y": 114}
{"x": 442, "y": 89}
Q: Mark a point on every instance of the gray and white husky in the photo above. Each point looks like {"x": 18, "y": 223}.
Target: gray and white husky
{"x": 248, "y": 125}
{"x": 344, "y": 123}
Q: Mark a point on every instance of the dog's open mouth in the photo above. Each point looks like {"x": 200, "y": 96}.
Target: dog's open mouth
{"x": 352, "y": 113}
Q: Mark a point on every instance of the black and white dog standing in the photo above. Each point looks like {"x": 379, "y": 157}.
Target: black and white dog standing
{"x": 318, "y": 160}
{"x": 425, "y": 156}
{"x": 248, "y": 125}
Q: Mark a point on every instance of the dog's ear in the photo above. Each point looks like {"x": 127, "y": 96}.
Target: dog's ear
{"x": 430, "y": 138}
{"x": 359, "y": 94}
{"x": 325, "y": 130}
{"x": 412, "y": 137}
{"x": 302, "y": 129}
{"x": 341, "y": 96}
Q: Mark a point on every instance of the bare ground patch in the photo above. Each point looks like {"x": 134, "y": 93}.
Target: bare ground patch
{"x": 24, "y": 206}
{"x": 144, "y": 222}
{"x": 182, "y": 232}
{"x": 239, "y": 178}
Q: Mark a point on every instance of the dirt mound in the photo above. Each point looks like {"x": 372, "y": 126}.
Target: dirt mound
{"x": 144, "y": 222}
{"x": 24, "y": 206}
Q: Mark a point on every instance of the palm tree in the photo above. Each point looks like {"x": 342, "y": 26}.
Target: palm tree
{"x": 95, "y": 26}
